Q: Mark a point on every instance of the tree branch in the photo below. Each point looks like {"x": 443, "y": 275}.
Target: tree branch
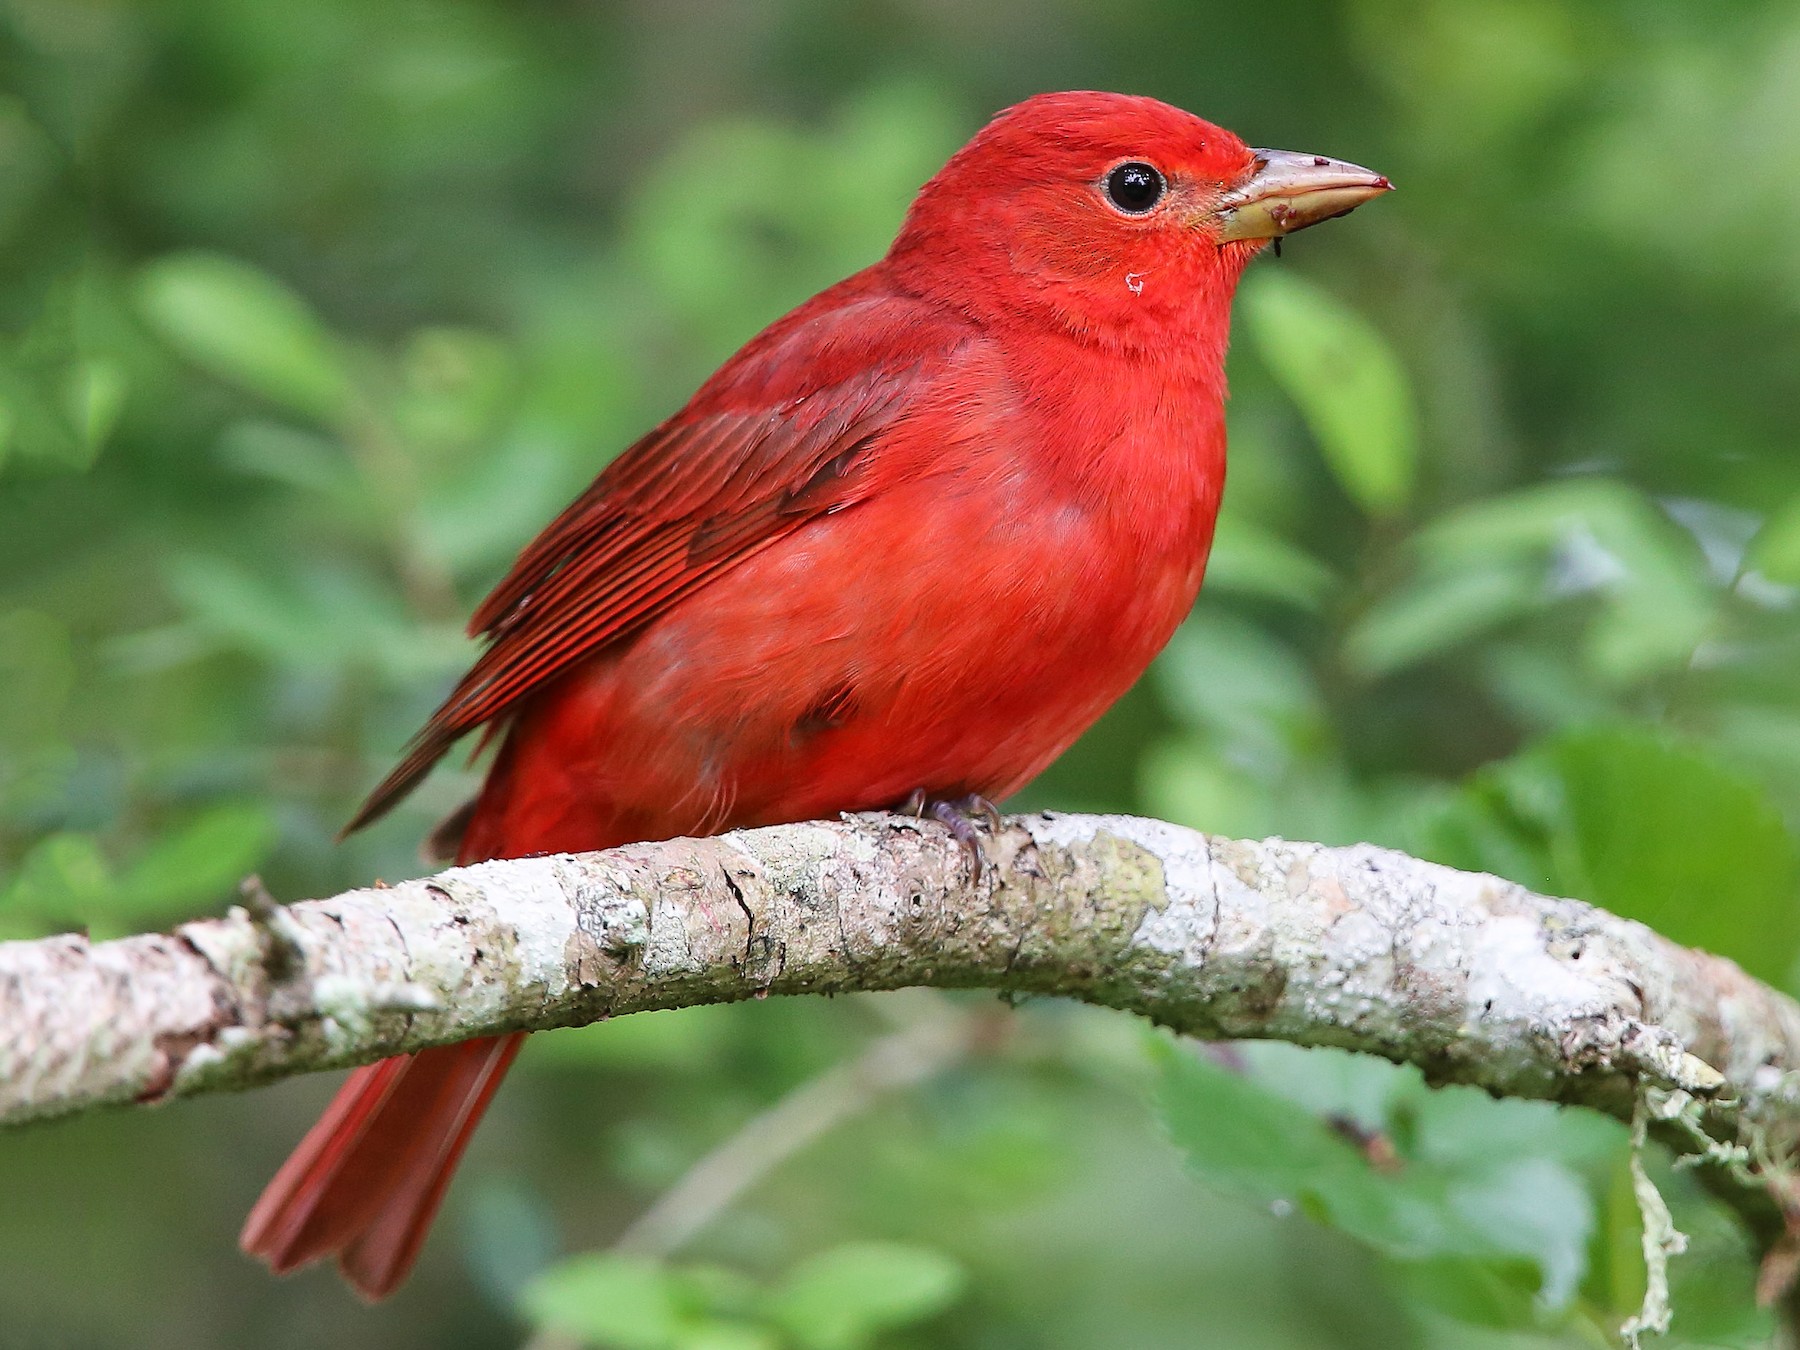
{"x": 1473, "y": 979}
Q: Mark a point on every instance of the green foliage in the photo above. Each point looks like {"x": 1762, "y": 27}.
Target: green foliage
{"x": 1776, "y": 549}
{"x": 839, "y": 1299}
{"x": 1531, "y": 550}
{"x": 182, "y": 868}
{"x": 195, "y": 861}
{"x": 751, "y": 245}
{"x": 1347, "y": 381}
{"x": 1252, "y": 561}
{"x": 242, "y": 325}
{"x": 1662, "y": 833}
{"x": 1489, "y": 1224}
{"x": 313, "y": 313}
{"x": 614, "y": 1301}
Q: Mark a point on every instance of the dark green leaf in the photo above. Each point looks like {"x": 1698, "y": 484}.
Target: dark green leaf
{"x": 1667, "y": 834}
{"x": 1455, "y": 1191}
{"x": 1499, "y": 1294}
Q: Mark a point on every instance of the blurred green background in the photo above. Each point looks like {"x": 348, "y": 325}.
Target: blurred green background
{"x": 311, "y": 313}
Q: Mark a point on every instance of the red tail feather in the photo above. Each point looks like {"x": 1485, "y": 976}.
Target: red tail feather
{"x": 367, "y": 1179}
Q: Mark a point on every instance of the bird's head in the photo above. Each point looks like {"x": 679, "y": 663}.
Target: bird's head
{"x": 1119, "y": 218}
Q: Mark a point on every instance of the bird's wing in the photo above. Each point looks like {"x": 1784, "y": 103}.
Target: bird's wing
{"x": 789, "y": 430}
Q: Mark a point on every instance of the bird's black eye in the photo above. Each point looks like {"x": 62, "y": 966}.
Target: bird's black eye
{"x": 1135, "y": 187}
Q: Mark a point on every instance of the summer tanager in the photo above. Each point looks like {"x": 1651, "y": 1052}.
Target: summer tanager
{"x": 908, "y": 544}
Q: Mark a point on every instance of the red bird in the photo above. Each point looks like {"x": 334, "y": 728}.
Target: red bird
{"x": 914, "y": 538}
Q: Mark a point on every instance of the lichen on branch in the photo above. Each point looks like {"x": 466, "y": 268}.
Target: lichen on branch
{"x": 1474, "y": 979}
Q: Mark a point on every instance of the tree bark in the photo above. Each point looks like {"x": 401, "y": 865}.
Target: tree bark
{"x": 1473, "y": 979}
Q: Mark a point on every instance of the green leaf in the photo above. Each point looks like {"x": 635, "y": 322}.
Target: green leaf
{"x": 1435, "y": 613}
{"x": 1243, "y": 1139}
{"x": 1251, "y": 559}
{"x": 1187, "y": 781}
{"x": 299, "y": 459}
{"x": 1542, "y": 689}
{"x": 728, "y": 1336}
{"x": 454, "y": 385}
{"x": 1250, "y": 691}
{"x": 37, "y": 671}
{"x": 614, "y": 1301}
{"x": 324, "y": 613}
{"x": 1666, "y": 834}
{"x": 1470, "y": 1183}
{"x": 1616, "y": 1274}
{"x": 202, "y": 860}
{"x": 672, "y": 1040}
{"x": 1500, "y": 1294}
{"x": 722, "y": 1291}
{"x": 749, "y": 246}
{"x": 1347, "y": 382}
{"x": 253, "y": 613}
{"x": 1775, "y": 551}
{"x": 63, "y": 876}
{"x": 1598, "y": 538}
{"x": 35, "y": 417}
{"x": 244, "y": 326}
{"x": 841, "y": 1298}
{"x": 66, "y": 876}
{"x": 475, "y": 517}
{"x": 93, "y": 398}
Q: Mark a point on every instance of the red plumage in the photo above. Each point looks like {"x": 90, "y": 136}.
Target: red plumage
{"x": 918, "y": 534}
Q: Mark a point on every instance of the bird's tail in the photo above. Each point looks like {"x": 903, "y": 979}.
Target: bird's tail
{"x": 366, "y": 1181}
{"x": 368, "y": 1178}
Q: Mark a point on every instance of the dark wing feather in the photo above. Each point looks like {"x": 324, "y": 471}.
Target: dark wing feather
{"x": 707, "y": 489}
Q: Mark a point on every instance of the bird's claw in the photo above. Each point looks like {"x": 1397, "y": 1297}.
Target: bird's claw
{"x": 960, "y": 815}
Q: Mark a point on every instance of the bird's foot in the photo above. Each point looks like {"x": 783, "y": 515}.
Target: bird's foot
{"x": 965, "y": 818}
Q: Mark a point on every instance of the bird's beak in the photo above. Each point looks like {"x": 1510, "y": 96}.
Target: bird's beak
{"x": 1287, "y": 191}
